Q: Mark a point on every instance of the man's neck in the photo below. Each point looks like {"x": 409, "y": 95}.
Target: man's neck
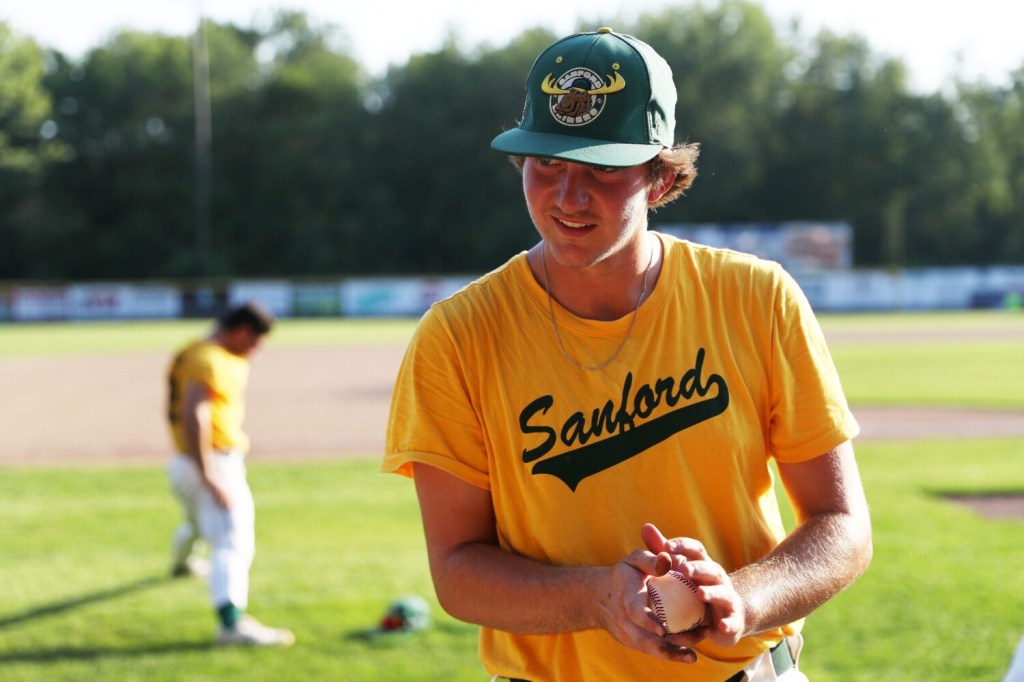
{"x": 603, "y": 292}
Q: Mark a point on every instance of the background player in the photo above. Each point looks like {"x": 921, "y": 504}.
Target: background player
{"x": 206, "y": 409}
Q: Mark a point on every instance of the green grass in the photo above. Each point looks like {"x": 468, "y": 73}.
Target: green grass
{"x": 118, "y": 337}
{"x": 83, "y": 550}
{"x": 85, "y": 597}
{"x": 968, "y": 322}
{"x": 941, "y": 600}
{"x": 969, "y": 359}
{"x": 981, "y": 374}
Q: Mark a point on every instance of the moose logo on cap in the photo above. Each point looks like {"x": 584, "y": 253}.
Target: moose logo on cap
{"x": 578, "y": 96}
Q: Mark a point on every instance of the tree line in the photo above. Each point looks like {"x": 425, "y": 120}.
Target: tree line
{"x": 316, "y": 168}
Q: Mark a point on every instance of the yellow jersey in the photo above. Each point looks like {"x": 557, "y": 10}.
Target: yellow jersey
{"x": 225, "y": 375}
{"x": 725, "y": 369}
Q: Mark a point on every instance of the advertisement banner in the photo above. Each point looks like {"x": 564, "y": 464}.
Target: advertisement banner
{"x": 122, "y": 302}
{"x": 276, "y": 295}
{"x": 397, "y": 297}
{"x": 796, "y": 245}
{"x": 37, "y": 304}
{"x": 317, "y": 299}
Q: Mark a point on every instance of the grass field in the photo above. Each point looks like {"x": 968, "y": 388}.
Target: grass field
{"x": 111, "y": 337}
{"x": 83, "y": 593}
{"x": 970, "y": 359}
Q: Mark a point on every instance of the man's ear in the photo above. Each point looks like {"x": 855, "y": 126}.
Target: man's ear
{"x": 660, "y": 185}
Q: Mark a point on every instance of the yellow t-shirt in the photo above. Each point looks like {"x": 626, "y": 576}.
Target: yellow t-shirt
{"x": 225, "y": 375}
{"x": 725, "y": 368}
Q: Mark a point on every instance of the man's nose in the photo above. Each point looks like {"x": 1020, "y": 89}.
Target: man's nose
{"x": 573, "y": 188}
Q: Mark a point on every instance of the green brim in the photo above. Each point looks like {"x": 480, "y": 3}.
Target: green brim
{"x": 519, "y": 142}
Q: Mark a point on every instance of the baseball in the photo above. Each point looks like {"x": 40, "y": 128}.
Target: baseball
{"x": 673, "y": 598}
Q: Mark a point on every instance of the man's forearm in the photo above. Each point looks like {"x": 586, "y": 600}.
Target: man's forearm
{"x": 486, "y": 585}
{"x": 820, "y": 558}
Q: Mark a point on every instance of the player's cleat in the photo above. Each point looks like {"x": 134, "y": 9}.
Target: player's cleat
{"x": 194, "y": 567}
{"x": 250, "y": 632}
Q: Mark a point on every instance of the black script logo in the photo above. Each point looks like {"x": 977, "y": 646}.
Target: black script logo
{"x": 625, "y": 438}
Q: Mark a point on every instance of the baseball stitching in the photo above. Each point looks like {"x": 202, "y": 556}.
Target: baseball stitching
{"x": 659, "y": 605}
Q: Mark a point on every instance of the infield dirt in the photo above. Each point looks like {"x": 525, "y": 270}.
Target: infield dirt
{"x": 308, "y": 402}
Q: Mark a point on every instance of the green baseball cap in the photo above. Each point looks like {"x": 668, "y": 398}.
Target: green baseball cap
{"x": 600, "y": 98}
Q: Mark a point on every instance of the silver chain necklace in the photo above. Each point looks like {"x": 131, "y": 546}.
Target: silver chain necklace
{"x": 554, "y": 324}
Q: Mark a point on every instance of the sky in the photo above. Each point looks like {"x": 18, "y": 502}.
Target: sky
{"x": 979, "y": 40}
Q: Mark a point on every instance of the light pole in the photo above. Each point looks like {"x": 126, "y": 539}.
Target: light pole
{"x": 204, "y": 138}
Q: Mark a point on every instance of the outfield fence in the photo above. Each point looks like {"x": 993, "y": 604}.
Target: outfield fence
{"x": 843, "y": 290}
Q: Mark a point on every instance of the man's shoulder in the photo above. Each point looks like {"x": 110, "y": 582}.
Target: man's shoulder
{"x": 205, "y": 355}
{"x": 486, "y": 290}
{"x": 197, "y": 349}
{"x": 483, "y": 307}
{"x": 185, "y": 354}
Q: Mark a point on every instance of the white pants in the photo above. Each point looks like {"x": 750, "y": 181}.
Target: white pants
{"x": 230, "y": 533}
{"x": 1016, "y": 671}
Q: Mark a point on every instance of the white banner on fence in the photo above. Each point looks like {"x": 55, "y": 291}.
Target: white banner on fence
{"x": 912, "y": 289}
{"x": 94, "y": 302}
{"x": 32, "y": 304}
{"x": 797, "y": 245}
{"x": 827, "y": 290}
{"x": 397, "y": 296}
{"x": 276, "y": 295}
{"x": 122, "y": 302}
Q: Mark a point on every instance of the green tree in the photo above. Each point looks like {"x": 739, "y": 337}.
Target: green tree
{"x": 852, "y": 143}
{"x": 993, "y": 124}
{"x": 27, "y": 146}
{"x": 440, "y": 199}
{"x": 728, "y": 65}
{"x": 840, "y": 141}
{"x": 24, "y": 104}
{"x": 128, "y": 197}
{"x": 288, "y": 160}
{"x": 317, "y": 169}
{"x": 124, "y": 199}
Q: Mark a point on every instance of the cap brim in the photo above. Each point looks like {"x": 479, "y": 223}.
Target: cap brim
{"x": 521, "y": 142}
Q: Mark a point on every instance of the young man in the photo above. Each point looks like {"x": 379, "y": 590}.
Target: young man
{"x": 607, "y": 404}
{"x": 206, "y": 408}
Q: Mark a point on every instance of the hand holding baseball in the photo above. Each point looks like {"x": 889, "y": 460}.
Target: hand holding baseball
{"x": 620, "y": 601}
{"x": 673, "y": 598}
{"x": 723, "y": 616}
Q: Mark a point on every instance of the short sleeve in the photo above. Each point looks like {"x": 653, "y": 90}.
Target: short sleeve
{"x": 810, "y": 415}
{"x": 199, "y": 369}
{"x": 433, "y": 419}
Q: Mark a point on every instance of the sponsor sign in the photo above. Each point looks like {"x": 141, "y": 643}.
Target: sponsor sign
{"x": 317, "y": 299}
{"x": 276, "y": 295}
{"x": 797, "y": 245}
{"x": 397, "y": 297}
{"x": 122, "y": 302}
{"x": 34, "y": 304}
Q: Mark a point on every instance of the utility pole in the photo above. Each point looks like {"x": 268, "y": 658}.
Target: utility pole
{"x": 204, "y": 140}
{"x": 894, "y": 225}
